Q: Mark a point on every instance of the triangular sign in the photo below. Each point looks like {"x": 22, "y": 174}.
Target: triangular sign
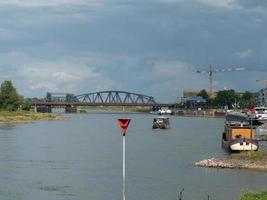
{"x": 124, "y": 123}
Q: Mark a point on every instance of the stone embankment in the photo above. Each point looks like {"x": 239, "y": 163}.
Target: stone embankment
{"x": 235, "y": 162}
{"x": 199, "y": 113}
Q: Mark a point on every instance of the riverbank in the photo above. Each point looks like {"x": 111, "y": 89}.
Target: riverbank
{"x": 262, "y": 195}
{"x": 199, "y": 112}
{"x": 26, "y": 117}
{"x": 243, "y": 160}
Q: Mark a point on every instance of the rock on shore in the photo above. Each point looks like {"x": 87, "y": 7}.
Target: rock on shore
{"x": 234, "y": 163}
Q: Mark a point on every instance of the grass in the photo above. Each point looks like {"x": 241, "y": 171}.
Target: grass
{"x": 255, "y": 155}
{"x": 26, "y": 116}
{"x": 254, "y": 195}
{"x": 263, "y": 137}
{"x": 251, "y": 155}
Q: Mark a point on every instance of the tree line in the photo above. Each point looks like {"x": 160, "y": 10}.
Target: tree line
{"x": 228, "y": 98}
{"x": 10, "y": 100}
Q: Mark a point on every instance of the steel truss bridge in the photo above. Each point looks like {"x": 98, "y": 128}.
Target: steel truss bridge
{"x": 116, "y": 97}
{"x": 103, "y": 98}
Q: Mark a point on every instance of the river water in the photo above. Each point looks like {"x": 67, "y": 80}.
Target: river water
{"x": 80, "y": 158}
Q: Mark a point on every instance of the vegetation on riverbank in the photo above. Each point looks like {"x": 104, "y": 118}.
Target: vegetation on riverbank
{"x": 10, "y": 100}
{"x": 249, "y": 155}
{"x": 26, "y": 116}
{"x": 254, "y": 195}
{"x": 15, "y": 109}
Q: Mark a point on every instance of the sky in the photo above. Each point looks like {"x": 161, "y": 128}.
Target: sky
{"x": 152, "y": 47}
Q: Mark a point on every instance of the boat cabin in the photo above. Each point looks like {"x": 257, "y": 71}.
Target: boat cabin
{"x": 161, "y": 122}
{"x": 235, "y": 130}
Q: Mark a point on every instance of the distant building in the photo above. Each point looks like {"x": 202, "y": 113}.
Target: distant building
{"x": 261, "y": 97}
{"x": 190, "y": 99}
{"x": 189, "y": 93}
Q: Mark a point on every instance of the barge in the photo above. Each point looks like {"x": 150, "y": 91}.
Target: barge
{"x": 239, "y": 136}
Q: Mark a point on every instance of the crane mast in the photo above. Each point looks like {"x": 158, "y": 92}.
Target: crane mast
{"x": 210, "y": 72}
{"x": 210, "y": 80}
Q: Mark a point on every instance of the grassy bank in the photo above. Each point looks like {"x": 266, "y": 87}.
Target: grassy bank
{"x": 26, "y": 116}
{"x": 254, "y": 195}
{"x": 249, "y": 155}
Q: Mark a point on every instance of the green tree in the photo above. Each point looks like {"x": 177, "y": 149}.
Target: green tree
{"x": 9, "y": 98}
{"x": 26, "y": 105}
{"x": 203, "y": 93}
{"x": 226, "y": 98}
{"x": 247, "y": 100}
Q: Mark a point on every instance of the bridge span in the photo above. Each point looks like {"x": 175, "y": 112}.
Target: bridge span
{"x": 103, "y": 98}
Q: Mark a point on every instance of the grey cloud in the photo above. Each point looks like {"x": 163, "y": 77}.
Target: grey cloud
{"x": 252, "y": 3}
{"x": 49, "y": 3}
{"x": 125, "y": 40}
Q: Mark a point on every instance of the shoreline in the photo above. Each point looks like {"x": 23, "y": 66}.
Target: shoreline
{"x": 246, "y": 160}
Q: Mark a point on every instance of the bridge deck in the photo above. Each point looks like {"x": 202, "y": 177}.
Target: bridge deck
{"x": 63, "y": 104}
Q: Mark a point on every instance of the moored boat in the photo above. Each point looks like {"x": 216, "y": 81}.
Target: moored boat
{"x": 243, "y": 117}
{"x": 161, "y": 123}
{"x": 164, "y": 111}
{"x": 261, "y": 113}
{"x": 161, "y": 111}
{"x": 239, "y": 136}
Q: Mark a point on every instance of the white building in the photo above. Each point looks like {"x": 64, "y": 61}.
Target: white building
{"x": 261, "y": 97}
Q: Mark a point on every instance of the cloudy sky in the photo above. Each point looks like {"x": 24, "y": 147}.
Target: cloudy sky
{"x": 152, "y": 47}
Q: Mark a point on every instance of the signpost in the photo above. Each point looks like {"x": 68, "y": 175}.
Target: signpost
{"x": 124, "y": 123}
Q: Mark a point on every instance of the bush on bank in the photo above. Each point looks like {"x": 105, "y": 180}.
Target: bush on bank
{"x": 254, "y": 195}
{"x": 10, "y": 100}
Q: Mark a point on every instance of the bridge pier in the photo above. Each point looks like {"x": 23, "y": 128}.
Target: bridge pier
{"x": 70, "y": 109}
{"x": 43, "y": 109}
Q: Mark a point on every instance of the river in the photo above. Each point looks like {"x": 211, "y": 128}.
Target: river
{"x": 80, "y": 158}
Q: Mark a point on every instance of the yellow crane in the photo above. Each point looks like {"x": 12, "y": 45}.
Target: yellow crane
{"x": 262, "y": 81}
{"x": 210, "y": 72}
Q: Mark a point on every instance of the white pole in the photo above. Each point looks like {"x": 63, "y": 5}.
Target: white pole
{"x": 123, "y": 170}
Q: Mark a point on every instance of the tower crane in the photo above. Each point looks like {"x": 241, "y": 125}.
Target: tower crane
{"x": 210, "y": 72}
{"x": 262, "y": 81}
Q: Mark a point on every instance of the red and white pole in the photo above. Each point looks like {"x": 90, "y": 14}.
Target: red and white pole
{"x": 123, "y": 167}
{"x": 124, "y": 123}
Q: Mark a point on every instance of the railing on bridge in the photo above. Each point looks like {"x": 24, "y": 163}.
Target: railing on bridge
{"x": 60, "y": 97}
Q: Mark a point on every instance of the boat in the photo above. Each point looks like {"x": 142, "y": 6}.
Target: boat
{"x": 261, "y": 113}
{"x": 236, "y": 116}
{"x": 243, "y": 117}
{"x": 164, "y": 111}
{"x": 161, "y": 122}
{"x": 239, "y": 136}
{"x": 161, "y": 111}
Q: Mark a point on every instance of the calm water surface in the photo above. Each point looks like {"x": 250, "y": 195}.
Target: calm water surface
{"x": 80, "y": 158}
